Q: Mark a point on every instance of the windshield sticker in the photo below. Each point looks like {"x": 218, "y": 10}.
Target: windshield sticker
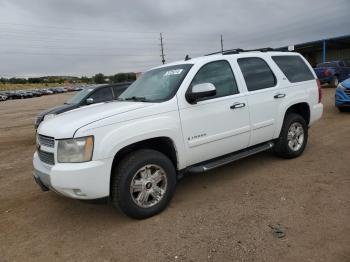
{"x": 173, "y": 72}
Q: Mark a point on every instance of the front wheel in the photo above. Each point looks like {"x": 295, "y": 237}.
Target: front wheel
{"x": 293, "y": 137}
{"x": 143, "y": 183}
{"x": 343, "y": 109}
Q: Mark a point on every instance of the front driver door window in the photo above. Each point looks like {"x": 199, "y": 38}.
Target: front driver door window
{"x": 102, "y": 95}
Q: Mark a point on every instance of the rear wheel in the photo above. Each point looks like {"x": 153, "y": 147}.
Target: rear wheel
{"x": 335, "y": 81}
{"x": 143, "y": 183}
{"x": 293, "y": 137}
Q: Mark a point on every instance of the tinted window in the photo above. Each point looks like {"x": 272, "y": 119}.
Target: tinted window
{"x": 294, "y": 68}
{"x": 218, "y": 73}
{"x": 102, "y": 95}
{"x": 78, "y": 97}
{"x": 119, "y": 89}
{"x": 257, "y": 74}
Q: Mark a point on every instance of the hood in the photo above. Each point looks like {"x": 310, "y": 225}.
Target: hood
{"x": 58, "y": 109}
{"x": 66, "y": 124}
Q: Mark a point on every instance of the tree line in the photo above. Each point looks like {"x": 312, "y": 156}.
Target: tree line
{"x": 96, "y": 79}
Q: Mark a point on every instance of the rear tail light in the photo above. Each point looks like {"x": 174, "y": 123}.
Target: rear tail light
{"x": 319, "y": 90}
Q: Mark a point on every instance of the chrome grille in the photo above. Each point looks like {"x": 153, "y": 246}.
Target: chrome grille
{"x": 46, "y": 141}
{"x": 46, "y": 157}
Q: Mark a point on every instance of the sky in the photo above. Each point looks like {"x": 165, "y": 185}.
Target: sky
{"x": 85, "y": 37}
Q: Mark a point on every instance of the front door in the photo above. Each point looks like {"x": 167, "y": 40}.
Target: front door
{"x": 219, "y": 124}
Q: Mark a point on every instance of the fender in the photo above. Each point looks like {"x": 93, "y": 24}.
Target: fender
{"x": 295, "y": 97}
{"x": 115, "y": 137}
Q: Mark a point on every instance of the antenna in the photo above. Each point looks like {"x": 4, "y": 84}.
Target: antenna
{"x": 162, "y": 49}
{"x": 222, "y": 44}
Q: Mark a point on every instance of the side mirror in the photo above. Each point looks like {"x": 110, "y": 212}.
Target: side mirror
{"x": 201, "y": 91}
{"x": 89, "y": 101}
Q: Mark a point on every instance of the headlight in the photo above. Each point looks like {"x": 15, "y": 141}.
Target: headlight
{"x": 341, "y": 87}
{"x": 75, "y": 150}
{"x": 48, "y": 116}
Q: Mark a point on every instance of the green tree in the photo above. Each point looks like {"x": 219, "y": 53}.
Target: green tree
{"x": 99, "y": 78}
{"x": 85, "y": 79}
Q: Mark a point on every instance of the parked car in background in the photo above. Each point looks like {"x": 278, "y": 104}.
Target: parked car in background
{"x": 87, "y": 96}
{"x": 58, "y": 90}
{"x": 36, "y": 92}
{"x": 332, "y": 72}
{"x": 342, "y": 96}
{"x": 46, "y": 92}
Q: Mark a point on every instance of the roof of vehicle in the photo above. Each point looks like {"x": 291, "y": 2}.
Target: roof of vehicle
{"x": 213, "y": 57}
{"x": 93, "y": 87}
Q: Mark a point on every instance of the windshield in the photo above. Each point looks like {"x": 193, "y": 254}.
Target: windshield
{"x": 328, "y": 64}
{"x": 156, "y": 85}
{"x": 76, "y": 99}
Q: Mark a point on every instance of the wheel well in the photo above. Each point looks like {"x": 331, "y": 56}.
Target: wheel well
{"x": 302, "y": 109}
{"x": 162, "y": 144}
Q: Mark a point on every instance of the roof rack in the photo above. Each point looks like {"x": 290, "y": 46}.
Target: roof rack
{"x": 239, "y": 50}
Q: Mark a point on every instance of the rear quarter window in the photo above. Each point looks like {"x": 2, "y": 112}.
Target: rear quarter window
{"x": 294, "y": 68}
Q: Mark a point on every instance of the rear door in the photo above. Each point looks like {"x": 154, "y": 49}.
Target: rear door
{"x": 264, "y": 97}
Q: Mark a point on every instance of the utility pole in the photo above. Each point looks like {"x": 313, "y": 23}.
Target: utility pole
{"x": 162, "y": 49}
{"x": 222, "y": 44}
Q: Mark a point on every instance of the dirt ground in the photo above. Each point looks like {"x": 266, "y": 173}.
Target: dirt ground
{"x": 228, "y": 214}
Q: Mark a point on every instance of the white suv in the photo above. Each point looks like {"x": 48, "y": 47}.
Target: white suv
{"x": 188, "y": 116}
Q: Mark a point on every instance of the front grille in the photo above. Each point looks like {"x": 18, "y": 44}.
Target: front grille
{"x": 347, "y": 91}
{"x": 46, "y": 157}
{"x": 46, "y": 141}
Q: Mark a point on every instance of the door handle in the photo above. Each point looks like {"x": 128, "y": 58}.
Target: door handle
{"x": 237, "y": 105}
{"x": 279, "y": 95}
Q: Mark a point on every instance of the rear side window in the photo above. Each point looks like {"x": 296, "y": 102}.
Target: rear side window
{"x": 294, "y": 68}
{"x": 257, "y": 74}
{"x": 218, "y": 73}
{"x": 118, "y": 90}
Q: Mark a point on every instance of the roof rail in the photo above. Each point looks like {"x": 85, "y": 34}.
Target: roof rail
{"x": 239, "y": 50}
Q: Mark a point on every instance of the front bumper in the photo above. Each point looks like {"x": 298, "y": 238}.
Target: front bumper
{"x": 341, "y": 98}
{"x": 89, "y": 180}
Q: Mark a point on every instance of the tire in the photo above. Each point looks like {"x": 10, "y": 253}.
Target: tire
{"x": 343, "y": 109}
{"x": 285, "y": 143}
{"x": 335, "y": 81}
{"x": 141, "y": 167}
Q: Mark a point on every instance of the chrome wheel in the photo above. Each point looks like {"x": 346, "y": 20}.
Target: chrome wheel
{"x": 295, "y": 136}
{"x": 148, "y": 186}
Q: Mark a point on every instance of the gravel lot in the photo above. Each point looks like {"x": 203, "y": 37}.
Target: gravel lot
{"x": 228, "y": 214}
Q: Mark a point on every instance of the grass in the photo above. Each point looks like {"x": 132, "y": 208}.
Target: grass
{"x": 27, "y": 86}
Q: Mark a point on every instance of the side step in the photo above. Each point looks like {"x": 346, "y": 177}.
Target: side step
{"x": 217, "y": 162}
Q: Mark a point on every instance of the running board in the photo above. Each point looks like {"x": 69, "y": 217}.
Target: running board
{"x": 211, "y": 164}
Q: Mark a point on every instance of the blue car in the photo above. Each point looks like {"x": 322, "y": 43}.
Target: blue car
{"x": 342, "y": 96}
